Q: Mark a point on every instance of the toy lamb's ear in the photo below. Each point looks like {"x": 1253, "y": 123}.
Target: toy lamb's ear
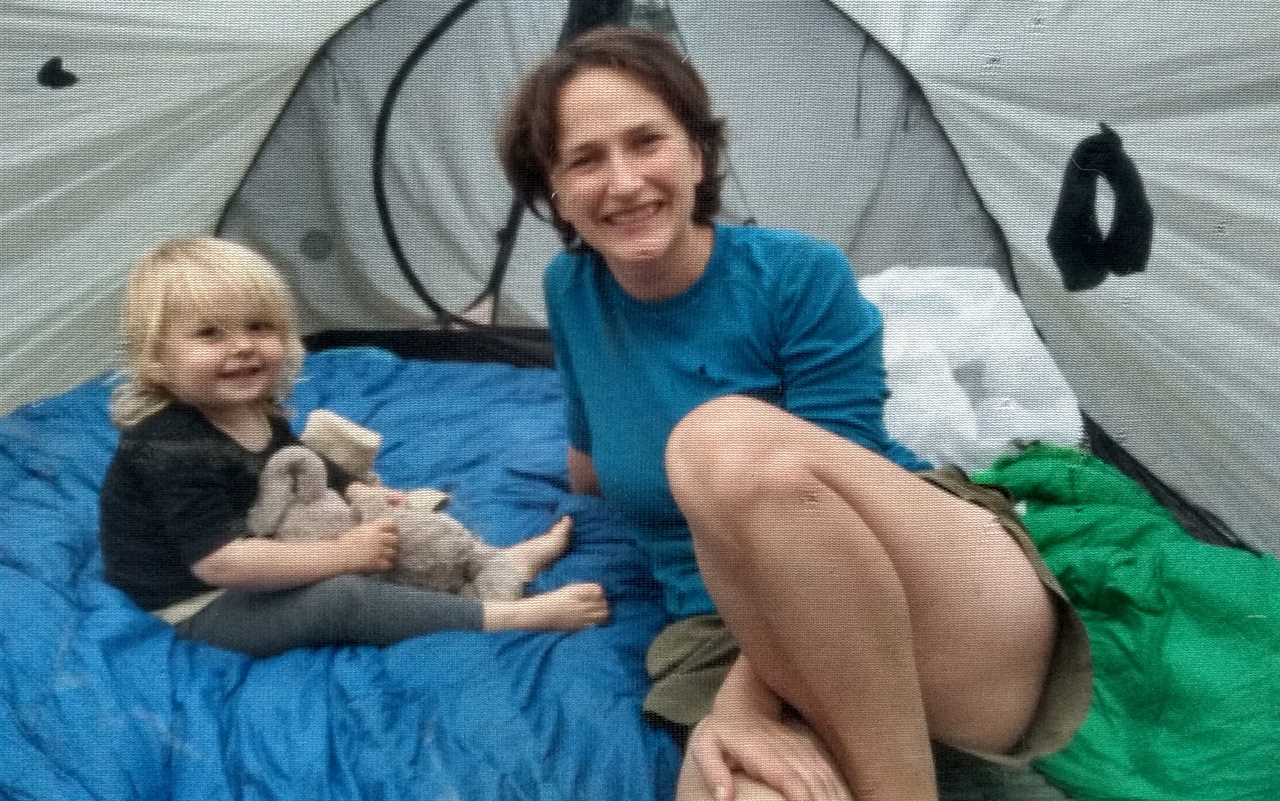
{"x": 293, "y": 475}
{"x": 346, "y": 444}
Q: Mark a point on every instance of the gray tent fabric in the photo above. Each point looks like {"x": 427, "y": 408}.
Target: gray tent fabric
{"x": 845, "y": 151}
{"x": 169, "y": 104}
{"x": 309, "y": 200}
{"x": 1175, "y": 365}
{"x": 917, "y": 136}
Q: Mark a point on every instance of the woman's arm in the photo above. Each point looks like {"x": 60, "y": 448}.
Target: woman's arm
{"x": 830, "y": 345}
{"x": 745, "y": 734}
{"x": 743, "y": 690}
{"x": 582, "y": 473}
{"x": 256, "y": 564}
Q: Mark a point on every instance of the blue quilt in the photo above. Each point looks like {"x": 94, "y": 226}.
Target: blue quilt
{"x": 100, "y": 701}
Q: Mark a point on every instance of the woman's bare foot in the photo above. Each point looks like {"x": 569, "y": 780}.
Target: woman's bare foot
{"x": 571, "y": 607}
{"x": 537, "y": 552}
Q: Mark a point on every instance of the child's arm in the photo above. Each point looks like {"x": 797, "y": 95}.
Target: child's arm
{"x": 256, "y": 564}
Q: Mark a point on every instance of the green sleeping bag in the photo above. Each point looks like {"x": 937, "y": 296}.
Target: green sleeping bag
{"x": 1185, "y": 639}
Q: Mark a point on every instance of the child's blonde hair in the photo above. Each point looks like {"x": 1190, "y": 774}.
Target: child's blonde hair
{"x": 200, "y": 277}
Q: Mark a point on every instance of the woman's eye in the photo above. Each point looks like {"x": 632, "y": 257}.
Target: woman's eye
{"x": 649, "y": 141}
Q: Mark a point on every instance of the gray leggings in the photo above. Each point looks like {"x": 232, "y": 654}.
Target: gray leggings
{"x": 346, "y": 609}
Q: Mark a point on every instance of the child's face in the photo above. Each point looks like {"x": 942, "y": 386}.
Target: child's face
{"x": 214, "y": 364}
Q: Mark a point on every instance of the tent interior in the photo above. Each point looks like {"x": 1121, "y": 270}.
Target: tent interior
{"x": 952, "y": 149}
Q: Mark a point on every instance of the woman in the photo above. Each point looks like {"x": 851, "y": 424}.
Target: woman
{"x": 725, "y": 388}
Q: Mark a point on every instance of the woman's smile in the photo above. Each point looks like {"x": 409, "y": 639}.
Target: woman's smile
{"x": 635, "y": 214}
{"x": 625, "y": 179}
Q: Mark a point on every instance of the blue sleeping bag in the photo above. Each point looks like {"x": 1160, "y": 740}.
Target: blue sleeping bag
{"x": 101, "y": 701}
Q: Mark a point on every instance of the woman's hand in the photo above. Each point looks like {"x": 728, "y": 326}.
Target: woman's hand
{"x": 745, "y": 733}
{"x": 371, "y": 547}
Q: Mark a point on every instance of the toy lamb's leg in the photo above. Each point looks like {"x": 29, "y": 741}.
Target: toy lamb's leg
{"x": 500, "y": 578}
{"x": 436, "y": 552}
{"x": 513, "y": 567}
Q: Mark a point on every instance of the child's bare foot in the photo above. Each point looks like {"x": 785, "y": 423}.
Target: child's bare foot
{"x": 571, "y": 607}
{"x": 537, "y": 552}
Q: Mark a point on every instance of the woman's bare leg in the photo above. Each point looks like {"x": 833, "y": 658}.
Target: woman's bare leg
{"x": 884, "y": 609}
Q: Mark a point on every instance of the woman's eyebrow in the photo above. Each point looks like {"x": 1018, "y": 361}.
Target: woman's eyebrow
{"x": 575, "y": 147}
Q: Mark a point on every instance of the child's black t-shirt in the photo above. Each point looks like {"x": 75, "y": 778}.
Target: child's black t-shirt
{"x": 176, "y": 490}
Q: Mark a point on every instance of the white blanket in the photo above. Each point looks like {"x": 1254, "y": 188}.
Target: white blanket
{"x": 967, "y": 373}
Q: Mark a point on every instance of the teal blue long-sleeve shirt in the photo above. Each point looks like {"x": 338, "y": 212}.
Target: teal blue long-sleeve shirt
{"x": 776, "y": 315}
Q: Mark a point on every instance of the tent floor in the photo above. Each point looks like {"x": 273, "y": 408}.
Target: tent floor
{"x": 522, "y": 347}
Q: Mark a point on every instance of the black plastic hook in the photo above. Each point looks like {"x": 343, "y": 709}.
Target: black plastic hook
{"x": 54, "y": 76}
{"x": 1085, "y": 256}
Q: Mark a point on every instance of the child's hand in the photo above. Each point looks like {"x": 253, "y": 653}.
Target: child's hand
{"x": 361, "y": 493}
{"x": 371, "y": 547}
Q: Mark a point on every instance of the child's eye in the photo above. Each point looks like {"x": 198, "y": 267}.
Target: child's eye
{"x": 260, "y": 326}
{"x": 207, "y": 331}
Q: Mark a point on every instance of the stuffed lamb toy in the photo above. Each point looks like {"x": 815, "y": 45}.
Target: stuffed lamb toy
{"x": 435, "y": 552}
{"x": 353, "y": 448}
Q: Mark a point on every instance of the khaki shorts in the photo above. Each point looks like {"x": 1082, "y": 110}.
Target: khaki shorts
{"x": 688, "y": 659}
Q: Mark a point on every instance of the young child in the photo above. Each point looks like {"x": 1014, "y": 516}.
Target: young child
{"x": 211, "y": 351}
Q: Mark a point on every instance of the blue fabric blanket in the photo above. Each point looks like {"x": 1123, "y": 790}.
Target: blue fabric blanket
{"x": 100, "y": 701}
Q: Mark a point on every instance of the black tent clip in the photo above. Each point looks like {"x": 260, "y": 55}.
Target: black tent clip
{"x": 1083, "y": 254}
{"x": 54, "y": 76}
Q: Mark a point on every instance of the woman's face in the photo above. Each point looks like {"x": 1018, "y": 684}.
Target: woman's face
{"x": 625, "y": 177}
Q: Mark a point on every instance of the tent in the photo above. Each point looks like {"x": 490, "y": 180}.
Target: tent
{"x": 952, "y": 142}
{"x": 919, "y": 134}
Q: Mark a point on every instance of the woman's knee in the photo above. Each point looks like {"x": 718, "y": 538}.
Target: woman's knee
{"x": 716, "y": 452}
{"x": 731, "y": 454}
